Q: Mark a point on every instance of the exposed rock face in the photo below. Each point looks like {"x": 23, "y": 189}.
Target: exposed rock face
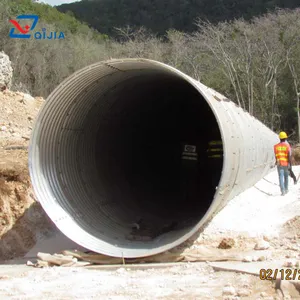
{"x": 22, "y": 219}
{"x": 6, "y": 72}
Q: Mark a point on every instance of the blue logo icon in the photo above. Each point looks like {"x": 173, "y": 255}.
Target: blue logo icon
{"x": 23, "y": 30}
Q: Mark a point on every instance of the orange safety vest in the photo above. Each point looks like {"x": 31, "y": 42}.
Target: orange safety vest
{"x": 281, "y": 151}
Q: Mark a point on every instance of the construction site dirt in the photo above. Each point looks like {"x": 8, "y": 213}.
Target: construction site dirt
{"x": 257, "y": 230}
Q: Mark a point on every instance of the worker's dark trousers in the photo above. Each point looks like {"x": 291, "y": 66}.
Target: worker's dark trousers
{"x": 283, "y": 174}
{"x": 293, "y": 176}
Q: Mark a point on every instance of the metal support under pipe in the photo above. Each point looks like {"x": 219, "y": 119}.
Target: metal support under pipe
{"x": 106, "y": 152}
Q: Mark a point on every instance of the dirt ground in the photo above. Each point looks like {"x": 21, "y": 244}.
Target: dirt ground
{"x": 188, "y": 281}
{"x": 20, "y": 214}
{"x": 23, "y": 223}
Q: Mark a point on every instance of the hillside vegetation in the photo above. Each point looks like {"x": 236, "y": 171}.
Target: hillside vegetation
{"x": 161, "y": 15}
{"x": 49, "y": 14}
{"x": 40, "y": 65}
{"x": 254, "y": 63}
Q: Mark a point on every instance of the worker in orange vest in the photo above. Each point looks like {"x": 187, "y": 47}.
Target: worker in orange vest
{"x": 282, "y": 153}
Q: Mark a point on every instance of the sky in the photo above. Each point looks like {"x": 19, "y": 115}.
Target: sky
{"x": 57, "y": 2}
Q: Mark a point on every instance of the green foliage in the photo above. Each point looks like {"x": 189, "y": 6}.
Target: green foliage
{"x": 50, "y": 15}
{"x": 40, "y": 65}
{"x": 255, "y": 64}
{"x": 161, "y": 15}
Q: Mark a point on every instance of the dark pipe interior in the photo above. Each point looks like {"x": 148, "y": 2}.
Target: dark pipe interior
{"x": 139, "y": 152}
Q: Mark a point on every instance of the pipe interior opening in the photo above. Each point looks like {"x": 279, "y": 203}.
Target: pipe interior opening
{"x": 151, "y": 155}
{"x": 124, "y": 154}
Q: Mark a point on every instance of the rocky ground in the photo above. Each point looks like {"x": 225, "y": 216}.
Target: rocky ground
{"x": 258, "y": 228}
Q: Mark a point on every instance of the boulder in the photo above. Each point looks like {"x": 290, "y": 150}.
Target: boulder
{"x": 6, "y": 72}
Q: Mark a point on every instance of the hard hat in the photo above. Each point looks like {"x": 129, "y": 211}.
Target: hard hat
{"x": 282, "y": 135}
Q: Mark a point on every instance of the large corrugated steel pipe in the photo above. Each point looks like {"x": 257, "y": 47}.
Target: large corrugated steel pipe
{"x": 118, "y": 156}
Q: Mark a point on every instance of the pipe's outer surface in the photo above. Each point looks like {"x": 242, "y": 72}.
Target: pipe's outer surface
{"x": 61, "y": 158}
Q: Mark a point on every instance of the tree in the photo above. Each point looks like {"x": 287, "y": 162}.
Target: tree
{"x": 160, "y": 16}
{"x": 291, "y": 41}
{"x": 218, "y": 40}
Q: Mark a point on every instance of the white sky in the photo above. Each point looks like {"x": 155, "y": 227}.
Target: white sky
{"x": 58, "y": 2}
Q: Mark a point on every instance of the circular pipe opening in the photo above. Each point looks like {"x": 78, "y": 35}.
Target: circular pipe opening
{"x": 119, "y": 161}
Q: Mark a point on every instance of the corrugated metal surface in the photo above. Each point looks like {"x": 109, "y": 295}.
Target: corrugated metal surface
{"x": 62, "y": 157}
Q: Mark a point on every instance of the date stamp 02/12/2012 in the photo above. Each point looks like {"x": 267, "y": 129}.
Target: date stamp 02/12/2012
{"x": 283, "y": 274}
